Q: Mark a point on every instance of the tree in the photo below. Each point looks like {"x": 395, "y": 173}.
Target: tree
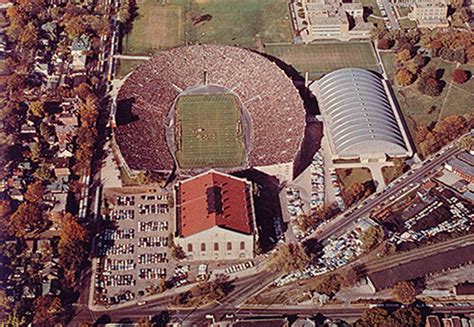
{"x": 27, "y": 217}
{"x": 406, "y": 317}
{"x": 404, "y": 77}
{"x": 404, "y": 55}
{"x": 356, "y": 191}
{"x": 349, "y": 277}
{"x": 404, "y": 292}
{"x": 177, "y": 251}
{"x": 372, "y": 237}
{"x": 36, "y": 108}
{"x": 374, "y": 317}
{"x": 35, "y": 192}
{"x": 460, "y": 76}
{"x": 48, "y": 309}
{"x": 288, "y": 257}
{"x": 44, "y": 173}
{"x": 28, "y": 36}
{"x": 467, "y": 143}
{"x": 384, "y": 44}
{"x": 206, "y": 292}
{"x": 73, "y": 240}
{"x": 328, "y": 284}
{"x": 430, "y": 86}
{"x": 420, "y": 61}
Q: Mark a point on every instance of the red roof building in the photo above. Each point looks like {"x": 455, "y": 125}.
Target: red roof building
{"x": 214, "y": 199}
{"x": 215, "y": 217}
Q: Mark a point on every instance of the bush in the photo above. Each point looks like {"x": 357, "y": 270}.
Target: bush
{"x": 460, "y": 76}
{"x": 404, "y": 77}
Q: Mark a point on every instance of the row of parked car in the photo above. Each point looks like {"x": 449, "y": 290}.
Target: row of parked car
{"x": 115, "y": 249}
{"x": 152, "y": 273}
{"x": 119, "y": 264}
{"x": 239, "y": 267}
{"x": 151, "y": 209}
{"x": 119, "y": 280}
{"x": 121, "y": 214}
{"x": 317, "y": 181}
{"x": 125, "y": 200}
{"x": 152, "y": 241}
{"x": 153, "y": 226}
{"x": 118, "y": 234}
{"x": 152, "y": 258}
{"x": 180, "y": 275}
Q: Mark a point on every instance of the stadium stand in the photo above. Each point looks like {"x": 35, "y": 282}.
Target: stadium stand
{"x": 275, "y": 108}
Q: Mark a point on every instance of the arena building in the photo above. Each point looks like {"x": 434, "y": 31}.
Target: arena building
{"x": 215, "y": 217}
{"x": 361, "y": 118}
{"x": 198, "y": 107}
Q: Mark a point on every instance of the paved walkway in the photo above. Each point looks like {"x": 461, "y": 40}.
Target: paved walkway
{"x": 110, "y": 172}
{"x": 120, "y": 56}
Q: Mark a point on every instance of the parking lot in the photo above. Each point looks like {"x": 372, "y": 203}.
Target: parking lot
{"x": 133, "y": 245}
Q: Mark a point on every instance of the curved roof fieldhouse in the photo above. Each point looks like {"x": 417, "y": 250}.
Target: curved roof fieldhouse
{"x": 359, "y": 114}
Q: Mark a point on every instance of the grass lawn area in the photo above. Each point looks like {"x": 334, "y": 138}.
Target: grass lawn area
{"x": 389, "y": 174}
{"x": 406, "y": 23}
{"x": 454, "y": 100}
{"x": 246, "y": 23}
{"x": 372, "y": 4}
{"x": 425, "y": 110}
{"x": 321, "y": 58}
{"x": 156, "y": 26}
{"x": 125, "y": 66}
{"x": 208, "y": 131}
{"x": 356, "y": 175}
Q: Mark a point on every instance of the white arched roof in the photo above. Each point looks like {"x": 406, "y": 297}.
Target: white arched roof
{"x": 359, "y": 114}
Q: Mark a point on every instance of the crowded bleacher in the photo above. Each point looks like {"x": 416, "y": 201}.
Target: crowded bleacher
{"x": 145, "y": 99}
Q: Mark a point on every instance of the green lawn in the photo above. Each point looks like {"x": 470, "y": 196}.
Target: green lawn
{"x": 125, "y": 66}
{"x": 454, "y": 100}
{"x": 246, "y": 23}
{"x": 372, "y": 4}
{"x": 156, "y": 26}
{"x": 321, "y": 58}
{"x": 356, "y": 175}
{"x": 209, "y": 131}
{"x": 169, "y": 23}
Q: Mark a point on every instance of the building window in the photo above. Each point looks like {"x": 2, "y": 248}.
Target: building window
{"x": 216, "y": 246}
{"x": 242, "y": 245}
{"x": 203, "y": 247}
{"x": 229, "y": 246}
{"x": 190, "y": 247}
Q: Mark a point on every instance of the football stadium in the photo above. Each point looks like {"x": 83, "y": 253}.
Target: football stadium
{"x": 197, "y": 107}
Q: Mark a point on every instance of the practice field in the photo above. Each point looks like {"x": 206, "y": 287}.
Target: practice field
{"x": 248, "y": 23}
{"x": 321, "y": 58}
{"x": 156, "y": 26}
{"x": 163, "y": 24}
{"x": 208, "y": 131}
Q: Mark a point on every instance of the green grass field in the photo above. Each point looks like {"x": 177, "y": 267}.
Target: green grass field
{"x": 157, "y": 26}
{"x": 208, "y": 131}
{"x": 248, "y": 23}
{"x": 126, "y": 66}
{"x": 320, "y": 58}
{"x": 454, "y": 100}
{"x": 166, "y": 24}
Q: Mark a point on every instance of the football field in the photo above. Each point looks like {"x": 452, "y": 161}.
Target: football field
{"x": 321, "y": 58}
{"x": 208, "y": 131}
